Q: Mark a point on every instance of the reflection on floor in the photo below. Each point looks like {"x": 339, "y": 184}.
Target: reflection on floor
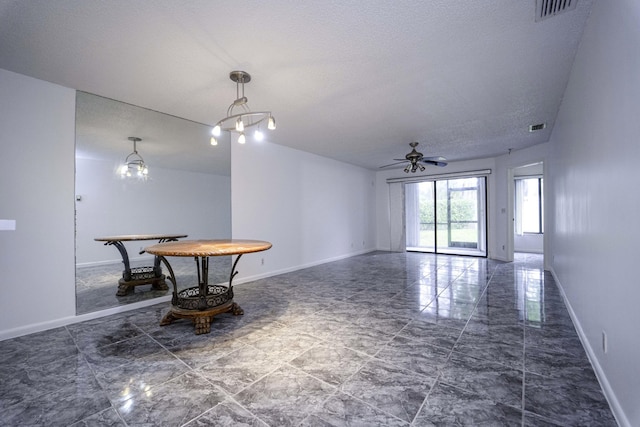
{"x": 387, "y": 339}
{"x": 96, "y": 286}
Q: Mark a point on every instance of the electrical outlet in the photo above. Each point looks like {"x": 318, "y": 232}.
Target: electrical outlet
{"x": 605, "y": 344}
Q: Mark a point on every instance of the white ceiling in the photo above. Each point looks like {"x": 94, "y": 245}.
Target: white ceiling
{"x": 351, "y": 80}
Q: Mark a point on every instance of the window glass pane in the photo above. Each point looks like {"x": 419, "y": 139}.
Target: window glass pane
{"x": 530, "y": 205}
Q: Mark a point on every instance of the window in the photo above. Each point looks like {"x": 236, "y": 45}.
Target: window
{"x": 529, "y": 206}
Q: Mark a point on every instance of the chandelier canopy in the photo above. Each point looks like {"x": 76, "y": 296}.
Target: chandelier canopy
{"x": 239, "y": 115}
{"x": 134, "y": 165}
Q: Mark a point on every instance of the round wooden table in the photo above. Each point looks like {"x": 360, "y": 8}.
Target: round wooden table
{"x": 201, "y": 303}
{"x": 132, "y": 277}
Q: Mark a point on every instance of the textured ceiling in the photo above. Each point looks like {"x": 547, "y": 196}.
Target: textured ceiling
{"x": 350, "y": 80}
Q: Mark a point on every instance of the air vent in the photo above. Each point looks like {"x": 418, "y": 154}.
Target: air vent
{"x": 540, "y": 126}
{"x": 548, "y": 8}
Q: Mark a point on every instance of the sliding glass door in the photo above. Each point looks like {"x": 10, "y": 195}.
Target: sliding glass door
{"x": 447, "y": 216}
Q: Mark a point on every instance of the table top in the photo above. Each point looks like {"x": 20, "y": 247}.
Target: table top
{"x": 129, "y": 237}
{"x": 208, "y": 247}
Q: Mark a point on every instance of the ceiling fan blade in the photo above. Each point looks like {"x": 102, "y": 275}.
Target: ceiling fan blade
{"x": 435, "y": 159}
{"x": 432, "y": 162}
{"x": 393, "y": 164}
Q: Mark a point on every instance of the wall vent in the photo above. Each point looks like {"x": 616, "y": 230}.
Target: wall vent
{"x": 548, "y": 8}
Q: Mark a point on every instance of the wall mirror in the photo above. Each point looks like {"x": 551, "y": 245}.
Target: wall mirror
{"x": 187, "y": 191}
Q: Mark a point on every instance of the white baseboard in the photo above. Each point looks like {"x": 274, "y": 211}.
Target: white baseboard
{"x": 44, "y": 326}
{"x": 300, "y": 267}
{"x": 609, "y": 394}
{"x": 113, "y": 261}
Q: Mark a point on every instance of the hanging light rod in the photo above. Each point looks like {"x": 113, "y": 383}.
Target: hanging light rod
{"x": 134, "y": 163}
{"x": 246, "y": 119}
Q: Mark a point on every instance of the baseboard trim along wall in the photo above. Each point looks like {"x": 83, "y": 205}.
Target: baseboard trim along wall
{"x": 300, "y": 267}
{"x": 44, "y": 326}
{"x": 602, "y": 378}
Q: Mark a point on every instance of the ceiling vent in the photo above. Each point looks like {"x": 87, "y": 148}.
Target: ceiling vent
{"x": 548, "y": 8}
{"x": 540, "y": 126}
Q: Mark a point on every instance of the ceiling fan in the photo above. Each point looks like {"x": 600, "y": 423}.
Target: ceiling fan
{"x": 416, "y": 160}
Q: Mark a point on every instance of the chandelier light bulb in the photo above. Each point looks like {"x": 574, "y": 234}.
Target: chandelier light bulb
{"x": 258, "y": 135}
{"x": 239, "y": 125}
{"x": 242, "y": 139}
{"x": 271, "y": 124}
{"x": 216, "y": 131}
{"x": 124, "y": 169}
{"x": 214, "y": 141}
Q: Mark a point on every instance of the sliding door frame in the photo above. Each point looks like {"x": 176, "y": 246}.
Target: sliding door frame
{"x": 481, "y": 204}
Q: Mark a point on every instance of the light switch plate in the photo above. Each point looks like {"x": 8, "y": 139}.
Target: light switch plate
{"x": 7, "y": 224}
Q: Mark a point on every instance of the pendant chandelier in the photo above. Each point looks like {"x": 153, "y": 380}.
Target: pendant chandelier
{"x": 134, "y": 165}
{"x": 240, "y": 122}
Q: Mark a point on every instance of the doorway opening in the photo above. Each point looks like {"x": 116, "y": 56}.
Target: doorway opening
{"x": 528, "y": 209}
{"x": 447, "y": 216}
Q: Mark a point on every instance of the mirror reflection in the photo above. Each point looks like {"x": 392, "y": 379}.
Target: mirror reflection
{"x": 186, "y": 190}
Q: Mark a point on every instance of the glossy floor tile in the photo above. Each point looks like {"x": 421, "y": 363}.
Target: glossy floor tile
{"x": 381, "y": 339}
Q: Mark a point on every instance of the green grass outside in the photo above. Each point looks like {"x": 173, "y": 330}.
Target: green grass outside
{"x": 464, "y": 235}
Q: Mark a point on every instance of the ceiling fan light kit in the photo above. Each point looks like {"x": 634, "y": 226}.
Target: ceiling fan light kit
{"x": 245, "y": 119}
{"x": 417, "y": 160}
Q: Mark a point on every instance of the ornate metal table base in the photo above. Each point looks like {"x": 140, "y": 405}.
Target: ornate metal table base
{"x": 126, "y": 287}
{"x": 201, "y": 303}
{"x": 201, "y": 318}
{"x": 136, "y": 276}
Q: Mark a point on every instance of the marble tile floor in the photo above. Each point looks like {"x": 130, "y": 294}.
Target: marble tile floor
{"x": 381, "y": 339}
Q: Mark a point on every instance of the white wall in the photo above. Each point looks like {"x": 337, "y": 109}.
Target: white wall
{"x": 311, "y": 208}
{"x": 37, "y": 129}
{"x": 595, "y": 201}
{"x": 532, "y": 243}
{"x": 171, "y": 201}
